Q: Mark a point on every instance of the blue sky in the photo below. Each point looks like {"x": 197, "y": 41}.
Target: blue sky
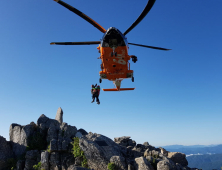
{"x": 178, "y": 95}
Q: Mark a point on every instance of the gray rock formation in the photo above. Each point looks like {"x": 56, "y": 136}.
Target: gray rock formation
{"x": 143, "y": 164}
{"x": 32, "y": 158}
{"x": 125, "y": 141}
{"x": 59, "y": 115}
{"x": 49, "y": 142}
{"x": 45, "y": 160}
{"x": 5, "y": 152}
{"x": 98, "y": 150}
{"x": 178, "y": 157}
{"x": 119, "y": 161}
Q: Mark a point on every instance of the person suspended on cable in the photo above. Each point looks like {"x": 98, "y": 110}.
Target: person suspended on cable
{"x": 95, "y": 91}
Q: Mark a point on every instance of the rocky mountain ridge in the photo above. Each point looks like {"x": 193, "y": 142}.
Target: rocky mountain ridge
{"x": 49, "y": 144}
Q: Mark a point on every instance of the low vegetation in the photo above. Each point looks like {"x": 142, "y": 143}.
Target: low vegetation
{"x": 111, "y": 166}
{"x": 38, "y": 166}
{"x": 77, "y": 152}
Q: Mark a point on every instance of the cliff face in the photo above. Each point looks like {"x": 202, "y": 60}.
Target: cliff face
{"x": 50, "y": 143}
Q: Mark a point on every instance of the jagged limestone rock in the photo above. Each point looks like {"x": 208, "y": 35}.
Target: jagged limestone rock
{"x": 53, "y": 145}
{"x": 82, "y": 131}
{"x": 178, "y": 157}
{"x": 32, "y": 158}
{"x": 19, "y": 136}
{"x": 45, "y": 160}
{"x": 98, "y": 150}
{"x": 20, "y": 165}
{"x": 53, "y": 131}
{"x": 73, "y": 167}
{"x": 146, "y": 144}
{"x": 163, "y": 151}
{"x": 125, "y": 141}
{"x": 79, "y": 134}
{"x": 59, "y": 115}
{"x": 119, "y": 161}
{"x": 54, "y": 160}
{"x": 5, "y": 152}
{"x": 143, "y": 164}
{"x": 66, "y": 131}
{"x": 163, "y": 165}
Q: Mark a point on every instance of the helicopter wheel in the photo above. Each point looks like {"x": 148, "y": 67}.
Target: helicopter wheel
{"x": 134, "y": 58}
{"x": 132, "y": 79}
{"x": 100, "y": 80}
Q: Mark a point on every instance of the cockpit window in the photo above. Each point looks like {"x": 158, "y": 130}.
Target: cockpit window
{"x": 113, "y": 39}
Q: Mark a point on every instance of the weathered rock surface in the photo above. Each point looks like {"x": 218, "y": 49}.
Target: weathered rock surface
{"x": 125, "y": 141}
{"x": 119, "y": 161}
{"x": 5, "y": 152}
{"x": 32, "y": 158}
{"x": 178, "y": 157}
{"x": 143, "y": 164}
{"x": 59, "y": 115}
{"x": 98, "y": 150}
{"x": 49, "y": 142}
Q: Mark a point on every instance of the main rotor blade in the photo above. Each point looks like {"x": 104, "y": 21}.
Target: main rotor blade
{"x": 157, "y": 48}
{"x": 75, "y": 43}
{"x": 148, "y": 7}
{"x": 82, "y": 15}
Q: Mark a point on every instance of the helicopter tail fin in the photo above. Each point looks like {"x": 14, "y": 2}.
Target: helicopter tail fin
{"x": 121, "y": 89}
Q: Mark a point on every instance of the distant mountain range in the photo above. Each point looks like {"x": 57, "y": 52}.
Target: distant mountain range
{"x": 205, "y": 162}
{"x": 195, "y": 149}
{"x": 206, "y": 157}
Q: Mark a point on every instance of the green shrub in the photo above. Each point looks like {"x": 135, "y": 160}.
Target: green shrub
{"x": 38, "y": 166}
{"x": 111, "y": 166}
{"x": 48, "y": 149}
{"x": 77, "y": 152}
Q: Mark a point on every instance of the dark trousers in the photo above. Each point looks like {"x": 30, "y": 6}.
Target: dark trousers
{"x": 95, "y": 96}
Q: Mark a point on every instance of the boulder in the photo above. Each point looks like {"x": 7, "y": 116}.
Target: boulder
{"x": 119, "y": 162}
{"x": 178, "y": 157}
{"x": 98, "y": 150}
{"x": 163, "y": 165}
{"x": 143, "y": 164}
{"x": 146, "y": 144}
{"x": 125, "y": 141}
{"x": 59, "y": 115}
{"x": 137, "y": 152}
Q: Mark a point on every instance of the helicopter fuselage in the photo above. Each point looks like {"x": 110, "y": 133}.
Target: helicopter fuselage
{"x": 114, "y": 55}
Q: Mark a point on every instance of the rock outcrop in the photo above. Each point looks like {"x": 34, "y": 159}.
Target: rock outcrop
{"x": 5, "y": 152}
{"x": 50, "y": 144}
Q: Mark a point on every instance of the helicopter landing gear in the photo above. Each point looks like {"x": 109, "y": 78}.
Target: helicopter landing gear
{"x": 100, "y": 80}
{"x": 132, "y": 79}
{"x": 134, "y": 58}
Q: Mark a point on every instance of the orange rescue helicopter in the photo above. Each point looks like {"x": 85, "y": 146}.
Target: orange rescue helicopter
{"x": 113, "y": 48}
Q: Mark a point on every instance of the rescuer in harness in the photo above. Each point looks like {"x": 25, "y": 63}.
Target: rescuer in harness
{"x": 95, "y": 91}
